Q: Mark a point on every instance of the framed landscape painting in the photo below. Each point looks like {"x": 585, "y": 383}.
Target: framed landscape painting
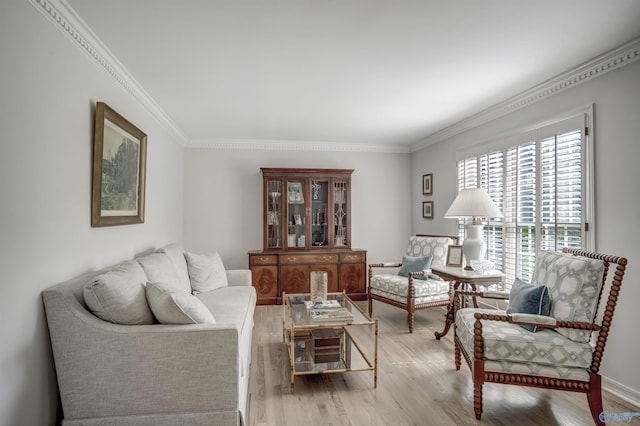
{"x": 119, "y": 168}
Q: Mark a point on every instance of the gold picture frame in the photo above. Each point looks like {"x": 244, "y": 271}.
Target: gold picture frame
{"x": 119, "y": 170}
{"x": 454, "y": 256}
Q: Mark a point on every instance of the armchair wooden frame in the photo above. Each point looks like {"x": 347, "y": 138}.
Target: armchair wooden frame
{"x": 410, "y": 305}
{"x": 592, "y": 388}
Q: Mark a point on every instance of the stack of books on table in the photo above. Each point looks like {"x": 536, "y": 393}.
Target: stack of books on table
{"x": 322, "y": 304}
{"x": 335, "y": 314}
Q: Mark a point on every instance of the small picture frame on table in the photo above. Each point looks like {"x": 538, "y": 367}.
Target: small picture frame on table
{"x": 454, "y": 256}
{"x": 427, "y": 184}
{"x": 427, "y": 209}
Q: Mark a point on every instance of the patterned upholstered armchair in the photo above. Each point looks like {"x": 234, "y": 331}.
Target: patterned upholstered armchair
{"x": 566, "y": 350}
{"x": 413, "y": 287}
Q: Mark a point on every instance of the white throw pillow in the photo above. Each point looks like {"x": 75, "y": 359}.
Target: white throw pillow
{"x": 206, "y": 272}
{"x": 176, "y": 254}
{"x": 118, "y": 296}
{"x": 159, "y": 269}
{"x": 177, "y": 307}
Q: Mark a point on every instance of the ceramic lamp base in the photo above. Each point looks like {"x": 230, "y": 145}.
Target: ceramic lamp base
{"x": 473, "y": 246}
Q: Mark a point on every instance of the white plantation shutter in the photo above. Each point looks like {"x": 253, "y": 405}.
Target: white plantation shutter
{"x": 561, "y": 198}
{"x": 539, "y": 184}
{"x": 522, "y": 201}
{"x": 492, "y": 179}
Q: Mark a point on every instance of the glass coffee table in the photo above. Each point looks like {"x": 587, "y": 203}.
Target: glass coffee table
{"x": 336, "y": 338}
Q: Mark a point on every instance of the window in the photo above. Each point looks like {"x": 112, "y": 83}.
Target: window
{"x": 540, "y": 181}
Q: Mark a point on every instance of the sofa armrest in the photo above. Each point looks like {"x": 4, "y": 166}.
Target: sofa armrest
{"x": 158, "y": 368}
{"x": 237, "y": 277}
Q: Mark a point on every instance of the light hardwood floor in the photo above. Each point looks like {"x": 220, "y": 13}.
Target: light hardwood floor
{"x": 417, "y": 384}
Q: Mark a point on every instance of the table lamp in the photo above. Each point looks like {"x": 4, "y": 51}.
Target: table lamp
{"x": 473, "y": 203}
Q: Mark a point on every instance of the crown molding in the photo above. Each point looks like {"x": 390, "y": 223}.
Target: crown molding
{"x": 67, "y": 20}
{"x": 277, "y": 145}
{"x": 62, "y": 15}
{"x": 597, "y": 67}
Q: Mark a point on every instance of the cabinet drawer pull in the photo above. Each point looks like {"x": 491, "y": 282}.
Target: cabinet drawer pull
{"x": 291, "y": 258}
{"x": 327, "y": 257}
{"x": 264, "y": 259}
{"x": 352, "y": 257}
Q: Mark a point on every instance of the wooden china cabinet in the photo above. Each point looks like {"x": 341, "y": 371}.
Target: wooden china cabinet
{"x": 306, "y": 227}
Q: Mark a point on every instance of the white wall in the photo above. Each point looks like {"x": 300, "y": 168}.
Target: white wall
{"x": 48, "y": 90}
{"x": 616, "y": 96}
{"x": 223, "y": 199}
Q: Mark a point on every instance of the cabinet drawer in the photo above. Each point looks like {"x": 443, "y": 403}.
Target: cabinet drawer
{"x": 263, "y": 259}
{"x": 356, "y": 257}
{"x": 308, "y": 258}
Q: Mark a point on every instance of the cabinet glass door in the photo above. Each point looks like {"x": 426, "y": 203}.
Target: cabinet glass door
{"x": 319, "y": 213}
{"x": 339, "y": 211}
{"x": 296, "y": 211}
{"x": 274, "y": 214}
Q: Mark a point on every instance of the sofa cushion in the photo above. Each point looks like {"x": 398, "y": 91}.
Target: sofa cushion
{"x": 235, "y": 306}
{"x": 176, "y": 307}
{"x": 525, "y": 298}
{"x": 230, "y": 305}
{"x": 415, "y": 264}
{"x": 390, "y": 284}
{"x": 118, "y": 296}
{"x": 509, "y": 348}
{"x": 574, "y": 285}
{"x": 206, "y": 272}
{"x": 176, "y": 255}
{"x": 159, "y": 268}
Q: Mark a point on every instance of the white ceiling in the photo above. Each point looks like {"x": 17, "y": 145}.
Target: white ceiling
{"x": 347, "y": 71}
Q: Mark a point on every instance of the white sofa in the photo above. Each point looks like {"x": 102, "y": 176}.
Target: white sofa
{"x": 140, "y": 371}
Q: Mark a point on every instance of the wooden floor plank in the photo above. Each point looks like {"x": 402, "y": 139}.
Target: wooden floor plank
{"x": 417, "y": 384}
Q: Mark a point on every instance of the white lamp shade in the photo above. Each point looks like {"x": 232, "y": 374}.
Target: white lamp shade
{"x": 472, "y": 203}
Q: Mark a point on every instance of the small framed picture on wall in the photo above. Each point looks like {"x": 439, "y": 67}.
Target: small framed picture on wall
{"x": 427, "y": 209}
{"x": 427, "y": 184}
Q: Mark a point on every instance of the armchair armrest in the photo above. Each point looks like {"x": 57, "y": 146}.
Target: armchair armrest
{"x": 532, "y": 319}
{"x": 495, "y": 294}
{"x": 385, "y": 265}
{"x": 541, "y": 321}
{"x": 489, "y": 294}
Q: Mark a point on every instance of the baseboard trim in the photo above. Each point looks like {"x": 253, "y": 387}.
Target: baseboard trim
{"x": 624, "y": 392}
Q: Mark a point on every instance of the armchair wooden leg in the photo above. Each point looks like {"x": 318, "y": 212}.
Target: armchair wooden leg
{"x": 478, "y": 381}
{"x": 477, "y": 399}
{"x": 595, "y": 398}
{"x": 457, "y": 355}
{"x": 370, "y": 306}
{"x": 410, "y": 321}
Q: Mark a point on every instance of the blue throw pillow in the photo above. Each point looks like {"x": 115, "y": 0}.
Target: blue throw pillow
{"x": 415, "y": 264}
{"x": 526, "y": 298}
